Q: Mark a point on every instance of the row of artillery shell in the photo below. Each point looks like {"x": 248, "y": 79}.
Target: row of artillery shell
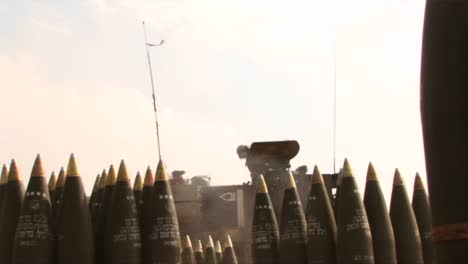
{"x": 57, "y": 225}
{"x": 364, "y": 232}
{"x": 212, "y": 255}
{"x": 134, "y": 226}
{"x": 35, "y": 228}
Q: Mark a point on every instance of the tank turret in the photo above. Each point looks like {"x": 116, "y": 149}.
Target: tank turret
{"x": 272, "y": 160}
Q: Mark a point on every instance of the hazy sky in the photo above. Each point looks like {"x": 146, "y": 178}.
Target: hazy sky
{"x": 74, "y": 78}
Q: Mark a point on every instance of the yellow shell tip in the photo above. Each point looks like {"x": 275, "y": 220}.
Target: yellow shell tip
{"x": 261, "y": 185}
{"x": 161, "y": 173}
{"x": 291, "y": 183}
{"x": 187, "y": 243}
{"x": 38, "y": 170}
{"x": 209, "y": 243}
{"x": 397, "y": 179}
{"x": 13, "y": 173}
{"x": 228, "y": 242}
{"x": 138, "y": 184}
{"x": 149, "y": 179}
{"x": 316, "y": 176}
{"x": 198, "y": 246}
{"x": 4, "y": 177}
{"x": 418, "y": 183}
{"x": 72, "y": 168}
{"x": 218, "y": 248}
{"x": 102, "y": 180}
{"x": 371, "y": 174}
{"x": 347, "y": 171}
{"x": 52, "y": 182}
{"x": 111, "y": 178}
{"x": 61, "y": 178}
{"x": 122, "y": 175}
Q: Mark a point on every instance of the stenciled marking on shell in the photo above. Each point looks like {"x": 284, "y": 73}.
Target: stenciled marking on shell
{"x": 165, "y": 227}
{"x": 33, "y": 227}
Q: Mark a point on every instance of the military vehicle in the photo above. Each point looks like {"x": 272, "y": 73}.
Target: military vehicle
{"x": 205, "y": 210}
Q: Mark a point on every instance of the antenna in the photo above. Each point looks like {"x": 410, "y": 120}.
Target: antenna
{"x": 147, "y": 44}
{"x": 334, "y": 107}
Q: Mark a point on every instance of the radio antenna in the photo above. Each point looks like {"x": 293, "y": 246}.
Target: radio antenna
{"x": 334, "y": 96}
{"x": 334, "y": 111}
{"x": 147, "y": 45}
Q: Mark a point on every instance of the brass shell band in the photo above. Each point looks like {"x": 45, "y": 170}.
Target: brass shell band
{"x": 449, "y": 232}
